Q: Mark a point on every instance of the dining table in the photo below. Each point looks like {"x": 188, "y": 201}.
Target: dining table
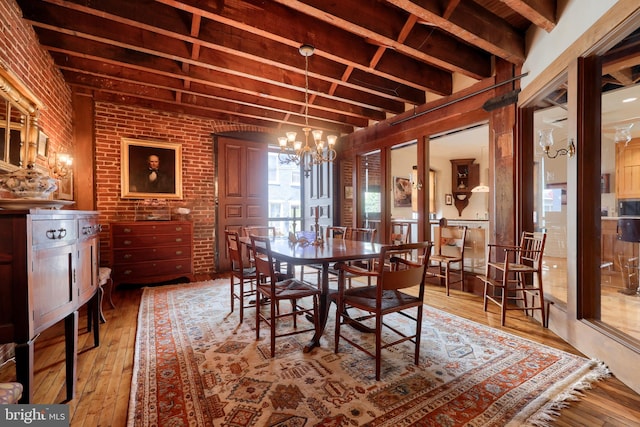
{"x": 324, "y": 253}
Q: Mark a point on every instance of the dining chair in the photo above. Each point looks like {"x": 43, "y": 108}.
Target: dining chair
{"x": 384, "y": 298}
{"x": 241, "y": 269}
{"x": 335, "y": 232}
{"x": 282, "y": 269}
{"x": 399, "y": 234}
{"x": 516, "y": 272}
{"x": 449, "y": 255}
{"x": 361, "y": 235}
{"x": 275, "y": 291}
{"x": 260, "y": 230}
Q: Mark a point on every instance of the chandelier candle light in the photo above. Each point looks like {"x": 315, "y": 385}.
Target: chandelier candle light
{"x": 292, "y": 150}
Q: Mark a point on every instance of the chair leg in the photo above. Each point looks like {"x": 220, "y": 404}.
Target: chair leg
{"x": 543, "y": 309}
{"x": 446, "y": 277}
{"x": 418, "y": 332}
{"x": 241, "y": 307}
{"x": 110, "y": 282}
{"x": 503, "y": 299}
{"x": 378, "y": 346}
{"x": 258, "y": 306}
{"x": 272, "y": 323}
{"x": 232, "y": 292}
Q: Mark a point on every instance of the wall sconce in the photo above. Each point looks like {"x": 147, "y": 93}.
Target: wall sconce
{"x": 415, "y": 182}
{"x": 623, "y": 134}
{"x": 546, "y": 142}
{"x": 60, "y": 164}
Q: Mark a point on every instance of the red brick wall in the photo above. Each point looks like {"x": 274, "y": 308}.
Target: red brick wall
{"x": 114, "y": 122}
{"x": 21, "y": 53}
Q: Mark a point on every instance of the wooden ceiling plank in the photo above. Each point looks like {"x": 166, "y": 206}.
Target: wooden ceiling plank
{"x": 156, "y": 64}
{"x": 542, "y": 13}
{"x": 125, "y": 72}
{"x": 158, "y": 47}
{"x": 149, "y": 40}
{"x": 292, "y": 28}
{"x": 473, "y": 24}
{"x": 373, "y": 25}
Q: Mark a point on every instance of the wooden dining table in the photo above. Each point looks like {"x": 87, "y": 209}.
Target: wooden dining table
{"x": 330, "y": 251}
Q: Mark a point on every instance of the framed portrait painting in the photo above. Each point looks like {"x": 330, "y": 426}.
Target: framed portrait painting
{"x": 150, "y": 169}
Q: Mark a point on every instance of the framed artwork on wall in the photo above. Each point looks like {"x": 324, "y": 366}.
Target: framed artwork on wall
{"x": 65, "y": 187}
{"x": 43, "y": 144}
{"x": 150, "y": 169}
{"x": 401, "y": 192}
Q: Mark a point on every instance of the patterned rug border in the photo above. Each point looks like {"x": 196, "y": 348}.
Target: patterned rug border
{"x": 540, "y": 412}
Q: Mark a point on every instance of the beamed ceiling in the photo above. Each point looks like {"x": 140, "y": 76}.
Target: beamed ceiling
{"x": 238, "y": 61}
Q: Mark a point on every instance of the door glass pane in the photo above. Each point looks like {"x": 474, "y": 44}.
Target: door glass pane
{"x": 284, "y": 196}
{"x": 620, "y": 188}
{"x": 403, "y": 185}
{"x": 369, "y": 191}
{"x": 550, "y": 188}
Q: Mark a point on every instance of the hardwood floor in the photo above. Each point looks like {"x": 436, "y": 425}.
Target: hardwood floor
{"x": 104, "y": 373}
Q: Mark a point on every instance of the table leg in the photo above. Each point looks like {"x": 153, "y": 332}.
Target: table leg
{"x": 324, "y": 308}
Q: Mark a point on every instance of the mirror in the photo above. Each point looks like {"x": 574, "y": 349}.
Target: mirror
{"x": 18, "y": 122}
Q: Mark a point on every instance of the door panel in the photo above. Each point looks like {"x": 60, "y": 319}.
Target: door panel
{"x": 242, "y": 181}
{"x": 318, "y": 191}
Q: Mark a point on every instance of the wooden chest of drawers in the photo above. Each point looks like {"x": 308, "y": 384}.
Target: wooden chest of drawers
{"x": 151, "y": 251}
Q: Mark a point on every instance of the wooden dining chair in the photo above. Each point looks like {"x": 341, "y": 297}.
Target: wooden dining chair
{"x": 242, "y": 270}
{"x": 275, "y": 291}
{"x": 449, "y": 255}
{"x": 361, "y": 235}
{"x": 384, "y": 298}
{"x": 513, "y": 274}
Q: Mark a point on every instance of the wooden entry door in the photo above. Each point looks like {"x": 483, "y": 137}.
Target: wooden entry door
{"x": 243, "y": 192}
{"x": 319, "y": 189}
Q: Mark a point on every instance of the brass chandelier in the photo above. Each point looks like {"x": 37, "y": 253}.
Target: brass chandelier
{"x": 292, "y": 150}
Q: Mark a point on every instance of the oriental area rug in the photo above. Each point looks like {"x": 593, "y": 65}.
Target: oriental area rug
{"x": 195, "y": 365}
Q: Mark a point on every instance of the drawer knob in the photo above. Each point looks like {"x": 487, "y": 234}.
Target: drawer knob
{"x": 127, "y": 256}
{"x": 178, "y": 252}
{"x": 127, "y": 272}
{"x": 178, "y": 267}
{"x": 126, "y": 242}
{"x": 178, "y": 228}
{"x": 126, "y": 230}
{"x": 178, "y": 239}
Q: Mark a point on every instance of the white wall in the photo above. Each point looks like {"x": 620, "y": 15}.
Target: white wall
{"x": 576, "y": 17}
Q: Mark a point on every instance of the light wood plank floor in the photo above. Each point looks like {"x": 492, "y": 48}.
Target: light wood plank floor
{"x": 104, "y": 373}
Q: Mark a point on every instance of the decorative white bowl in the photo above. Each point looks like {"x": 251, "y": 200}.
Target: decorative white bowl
{"x": 28, "y": 184}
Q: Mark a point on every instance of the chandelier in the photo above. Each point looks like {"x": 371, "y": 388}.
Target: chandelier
{"x": 292, "y": 150}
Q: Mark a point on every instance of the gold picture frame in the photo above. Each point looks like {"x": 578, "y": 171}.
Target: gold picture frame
{"x": 65, "y": 187}
{"x": 139, "y": 179}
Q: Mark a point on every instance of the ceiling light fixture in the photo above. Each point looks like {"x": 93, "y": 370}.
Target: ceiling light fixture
{"x": 546, "y": 142}
{"x": 292, "y": 150}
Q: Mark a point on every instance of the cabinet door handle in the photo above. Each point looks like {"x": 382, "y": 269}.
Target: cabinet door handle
{"x": 56, "y": 234}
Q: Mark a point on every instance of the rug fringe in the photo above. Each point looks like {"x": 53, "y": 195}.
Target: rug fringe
{"x": 535, "y": 415}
